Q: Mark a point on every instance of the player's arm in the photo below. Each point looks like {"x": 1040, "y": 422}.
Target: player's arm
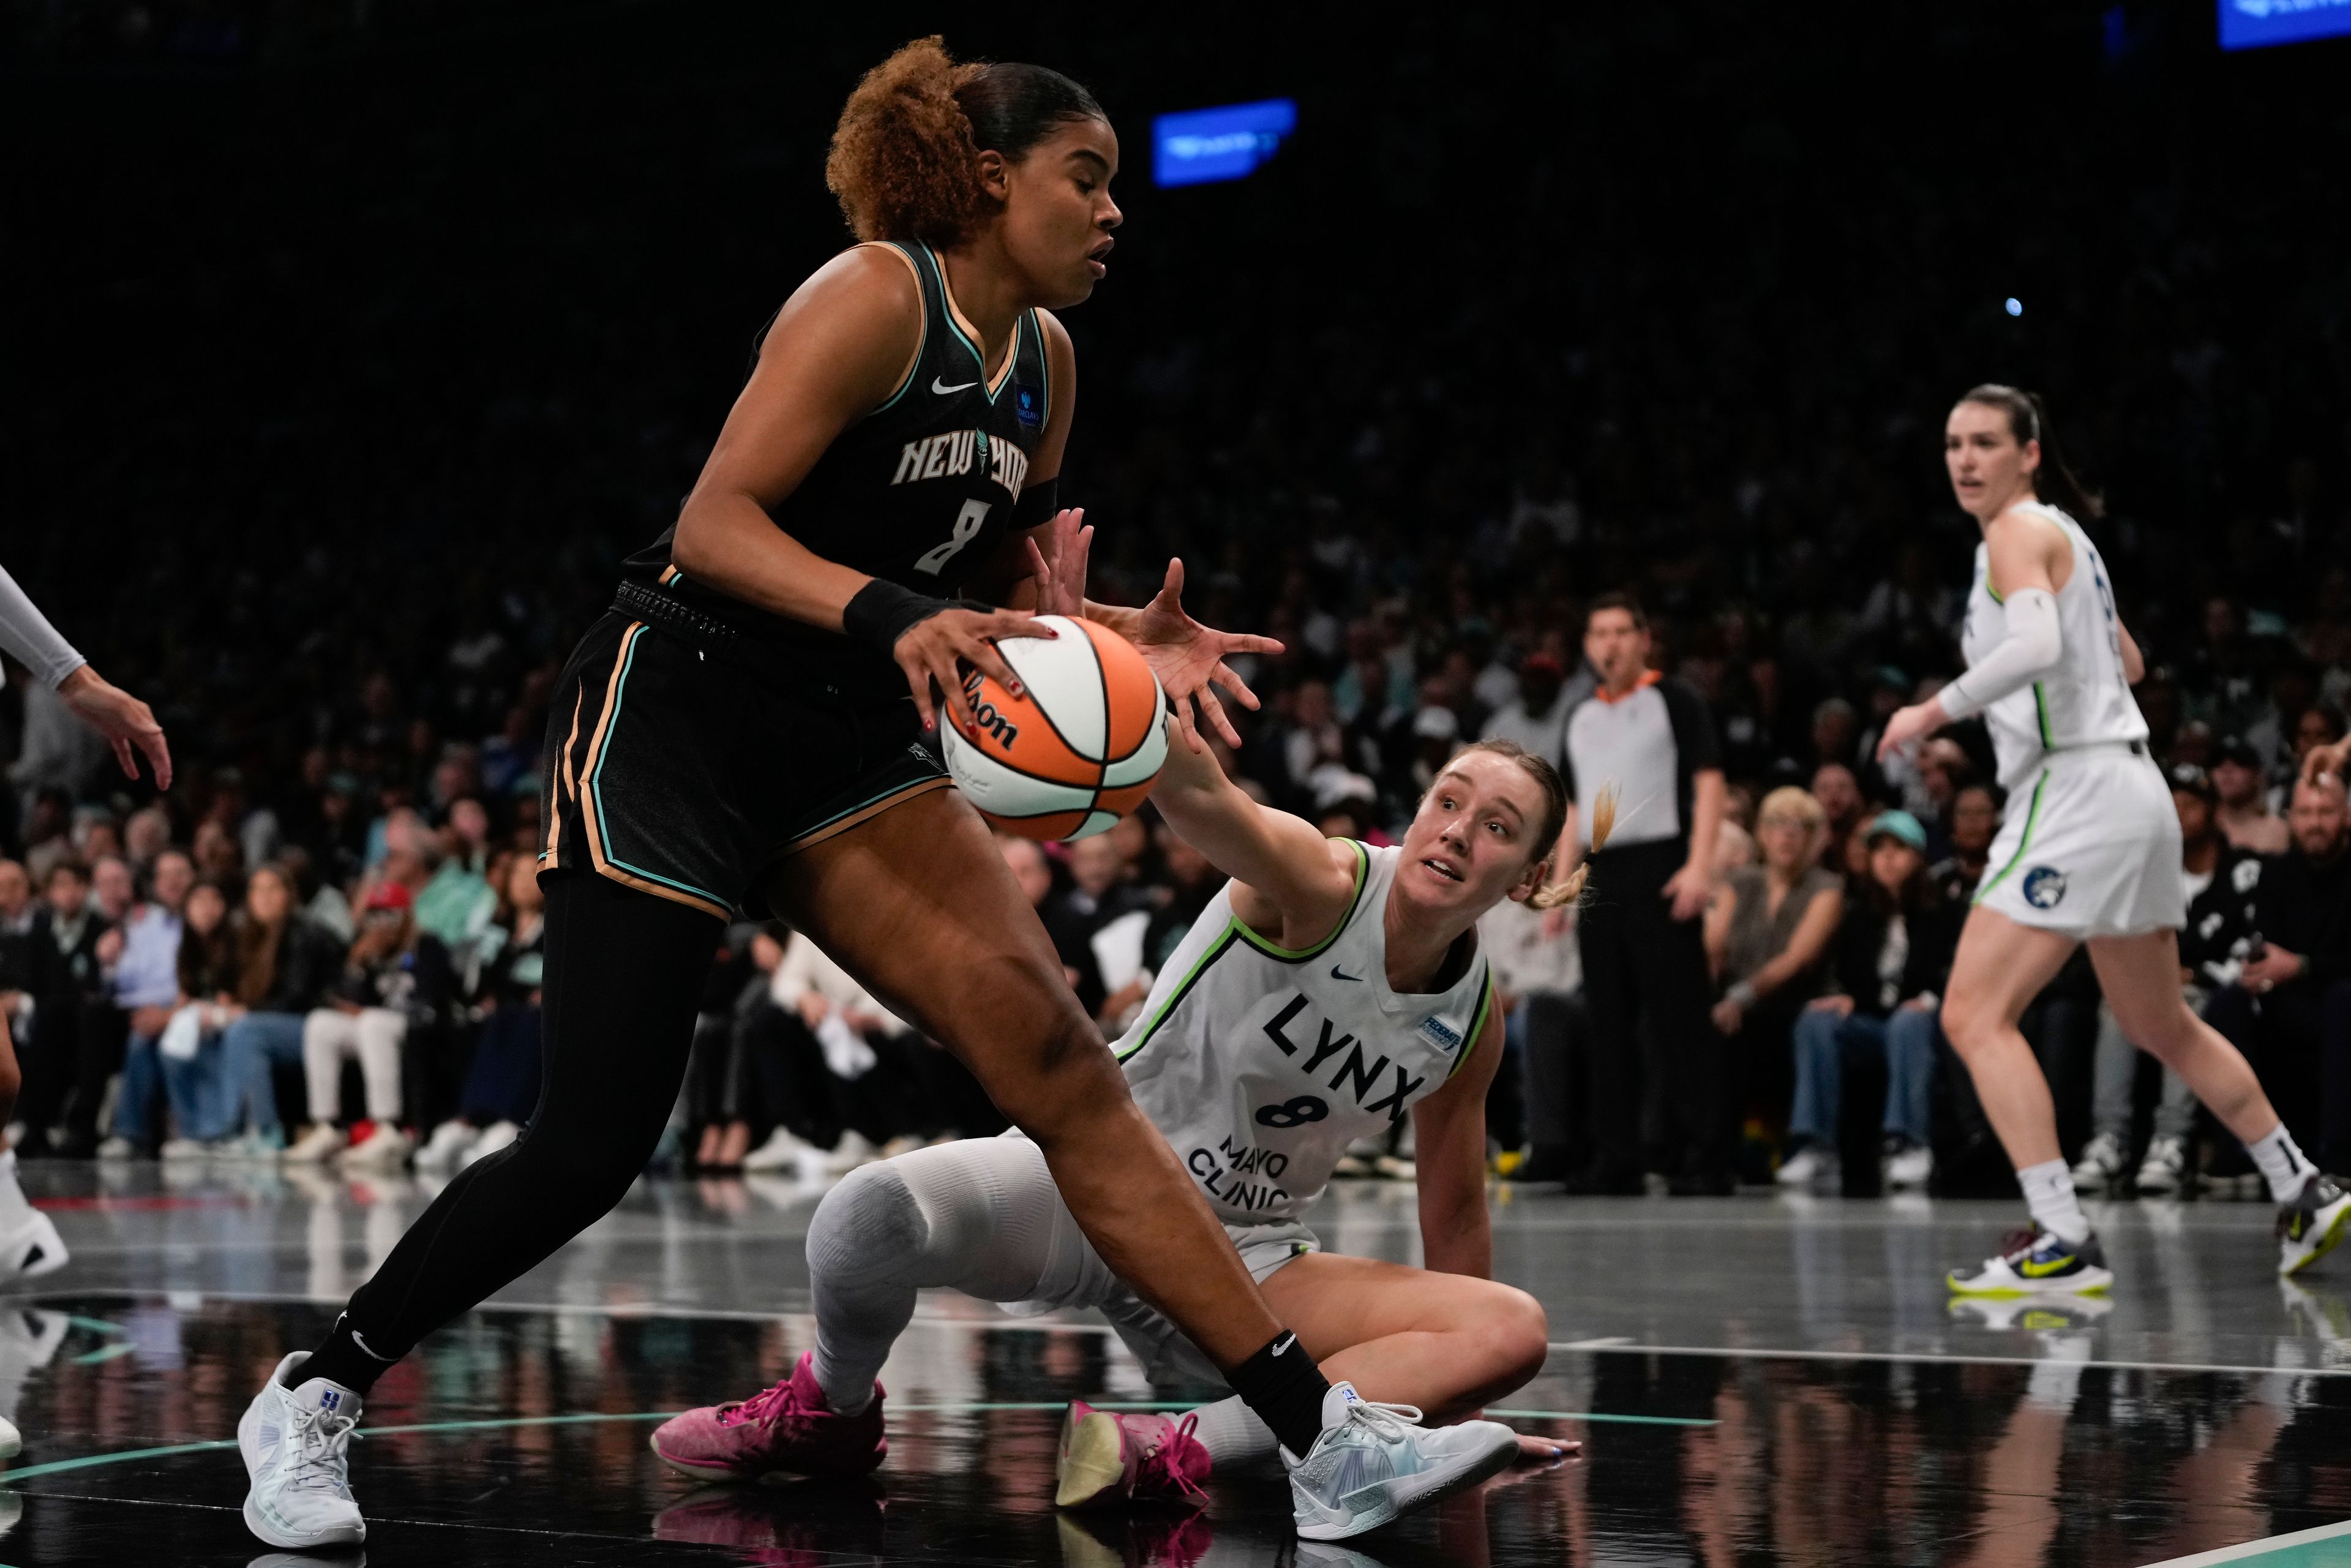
{"x": 844, "y": 342}
{"x": 1288, "y": 877}
{"x": 2133, "y": 661}
{"x": 1449, "y": 1150}
{"x": 2024, "y": 556}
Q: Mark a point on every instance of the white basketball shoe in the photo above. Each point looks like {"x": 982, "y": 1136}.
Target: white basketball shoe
{"x": 1376, "y": 1462}
{"x": 297, "y": 1447}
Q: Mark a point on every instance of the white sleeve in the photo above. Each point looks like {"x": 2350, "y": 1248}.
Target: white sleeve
{"x": 2029, "y": 649}
{"x": 26, "y": 634}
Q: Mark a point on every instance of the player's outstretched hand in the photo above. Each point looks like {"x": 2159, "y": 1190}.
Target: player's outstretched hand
{"x": 128, "y": 724}
{"x": 928, "y": 653}
{"x": 1059, "y": 569}
{"x": 1187, "y": 657}
{"x": 2327, "y": 761}
{"x": 1533, "y": 1450}
{"x": 1910, "y": 724}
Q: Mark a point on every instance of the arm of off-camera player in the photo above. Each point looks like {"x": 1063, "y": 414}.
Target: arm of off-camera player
{"x": 1291, "y": 878}
{"x": 1448, "y": 1131}
{"x": 2022, "y": 553}
{"x": 842, "y": 344}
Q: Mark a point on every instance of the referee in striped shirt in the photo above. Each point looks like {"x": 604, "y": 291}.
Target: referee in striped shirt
{"x": 1657, "y": 1064}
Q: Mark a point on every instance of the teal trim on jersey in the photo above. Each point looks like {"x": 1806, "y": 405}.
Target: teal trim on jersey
{"x": 1477, "y": 1025}
{"x": 1223, "y": 946}
{"x": 2032, "y": 819}
{"x": 1044, "y": 374}
{"x": 596, "y": 784}
{"x": 1012, "y": 354}
{"x": 914, "y": 370}
{"x": 2041, "y": 711}
{"x": 1363, "y": 871}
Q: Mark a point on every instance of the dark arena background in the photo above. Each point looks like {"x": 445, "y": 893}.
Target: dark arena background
{"x": 352, "y": 344}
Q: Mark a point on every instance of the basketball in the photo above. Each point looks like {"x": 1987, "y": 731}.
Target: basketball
{"x": 1077, "y": 752}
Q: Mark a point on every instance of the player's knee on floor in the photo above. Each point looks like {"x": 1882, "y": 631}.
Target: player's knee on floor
{"x": 867, "y": 1225}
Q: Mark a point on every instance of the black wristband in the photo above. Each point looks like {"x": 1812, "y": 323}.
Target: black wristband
{"x": 1038, "y": 502}
{"x": 879, "y": 613}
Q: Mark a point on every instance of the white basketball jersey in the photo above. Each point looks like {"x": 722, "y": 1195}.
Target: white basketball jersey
{"x": 1261, "y": 1065}
{"x": 2086, "y": 699}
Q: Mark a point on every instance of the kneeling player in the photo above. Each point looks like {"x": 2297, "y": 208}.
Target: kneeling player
{"x": 1327, "y": 989}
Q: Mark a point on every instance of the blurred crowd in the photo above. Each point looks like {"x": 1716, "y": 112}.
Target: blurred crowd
{"x": 334, "y": 443}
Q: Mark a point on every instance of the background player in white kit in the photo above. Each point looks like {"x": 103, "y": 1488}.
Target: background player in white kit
{"x": 2089, "y": 853}
{"x": 1324, "y": 992}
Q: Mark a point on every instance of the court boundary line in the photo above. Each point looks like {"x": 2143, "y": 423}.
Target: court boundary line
{"x": 1615, "y": 1345}
{"x": 9, "y": 1478}
{"x": 2253, "y": 1550}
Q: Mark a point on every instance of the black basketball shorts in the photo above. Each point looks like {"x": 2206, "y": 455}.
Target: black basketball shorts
{"x": 688, "y": 776}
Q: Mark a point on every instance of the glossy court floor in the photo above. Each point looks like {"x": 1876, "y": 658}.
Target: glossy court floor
{"x": 1757, "y": 1380}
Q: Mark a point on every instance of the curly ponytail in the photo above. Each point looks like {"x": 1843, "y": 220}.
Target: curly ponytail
{"x": 904, "y": 159}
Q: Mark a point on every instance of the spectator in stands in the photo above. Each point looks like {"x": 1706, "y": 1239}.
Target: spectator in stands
{"x": 194, "y": 1065}
{"x": 1839, "y": 794}
{"x": 1093, "y": 898}
{"x": 2242, "y": 790}
{"x": 1889, "y": 963}
{"x": 1538, "y": 978}
{"x": 2223, "y": 886}
{"x": 1536, "y": 715}
{"x": 2289, "y": 1009}
{"x": 146, "y": 983}
{"x": 1975, "y": 822}
{"x": 73, "y": 1020}
{"x": 285, "y": 965}
{"x": 1767, "y": 935}
{"x": 501, "y": 1086}
{"x": 18, "y": 912}
{"x": 852, "y": 1034}
{"x": 389, "y": 963}
{"x": 1651, "y": 742}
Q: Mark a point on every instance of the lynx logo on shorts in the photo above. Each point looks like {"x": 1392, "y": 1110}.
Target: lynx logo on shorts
{"x": 2044, "y": 886}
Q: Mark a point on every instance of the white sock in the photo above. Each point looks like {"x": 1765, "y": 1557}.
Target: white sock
{"x": 2282, "y": 1164}
{"x": 14, "y": 1209}
{"x": 2049, "y": 1191}
{"x": 1232, "y": 1433}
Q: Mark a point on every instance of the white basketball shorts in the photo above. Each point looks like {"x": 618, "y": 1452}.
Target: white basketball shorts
{"x": 2090, "y": 848}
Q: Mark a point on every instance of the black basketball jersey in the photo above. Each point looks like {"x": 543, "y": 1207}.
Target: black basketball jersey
{"x": 919, "y": 492}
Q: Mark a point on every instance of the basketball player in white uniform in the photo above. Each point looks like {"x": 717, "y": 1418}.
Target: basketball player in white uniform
{"x": 1325, "y": 992}
{"x": 2089, "y": 853}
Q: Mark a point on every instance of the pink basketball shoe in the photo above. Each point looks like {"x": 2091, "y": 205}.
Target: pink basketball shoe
{"x": 1114, "y": 1456}
{"x": 786, "y": 1427}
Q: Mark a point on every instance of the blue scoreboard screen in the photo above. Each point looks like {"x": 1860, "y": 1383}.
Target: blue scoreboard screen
{"x": 1228, "y": 143}
{"x": 2252, "y": 24}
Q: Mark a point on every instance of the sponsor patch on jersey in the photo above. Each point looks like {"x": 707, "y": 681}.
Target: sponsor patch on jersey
{"x": 2044, "y": 887}
{"x": 1440, "y": 1034}
{"x": 1025, "y": 404}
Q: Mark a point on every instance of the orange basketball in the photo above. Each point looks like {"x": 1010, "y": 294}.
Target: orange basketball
{"x": 1079, "y": 750}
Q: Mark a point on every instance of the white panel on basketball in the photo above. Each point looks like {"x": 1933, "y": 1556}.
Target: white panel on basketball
{"x": 1064, "y": 676}
{"x": 993, "y": 787}
{"x": 1099, "y": 822}
{"x": 1148, "y": 760}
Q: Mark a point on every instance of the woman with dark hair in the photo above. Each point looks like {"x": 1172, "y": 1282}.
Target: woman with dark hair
{"x": 747, "y": 728}
{"x": 1886, "y": 969}
{"x": 2090, "y": 853}
{"x": 285, "y": 964}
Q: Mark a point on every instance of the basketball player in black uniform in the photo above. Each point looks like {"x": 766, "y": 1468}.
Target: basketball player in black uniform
{"x": 737, "y": 733}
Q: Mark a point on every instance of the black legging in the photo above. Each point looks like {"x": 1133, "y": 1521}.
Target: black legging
{"x": 624, "y": 976}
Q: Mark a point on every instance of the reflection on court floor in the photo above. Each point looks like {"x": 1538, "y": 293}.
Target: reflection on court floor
{"x": 1754, "y": 1382}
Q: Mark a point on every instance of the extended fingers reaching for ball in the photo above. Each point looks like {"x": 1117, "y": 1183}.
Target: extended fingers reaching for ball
{"x": 1057, "y": 566}
{"x": 930, "y": 651}
{"x": 1189, "y": 660}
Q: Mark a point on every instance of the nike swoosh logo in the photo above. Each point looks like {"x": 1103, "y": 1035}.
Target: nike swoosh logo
{"x": 2036, "y": 1269}
{"x": 1339, "y": 974}
{"x": 1281, "y": 1345}
{"x": 942, "y": 388}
